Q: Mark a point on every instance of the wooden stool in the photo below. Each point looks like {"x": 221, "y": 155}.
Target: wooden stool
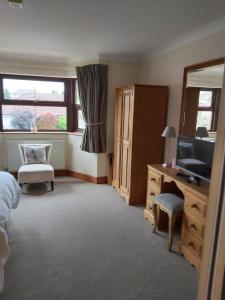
{"x": 173, "y": 206}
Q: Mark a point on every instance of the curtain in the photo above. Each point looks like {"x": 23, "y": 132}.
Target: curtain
{"x": 93, "y": 86}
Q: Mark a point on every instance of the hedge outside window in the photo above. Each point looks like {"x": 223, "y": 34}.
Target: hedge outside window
{"x": 47, "y": 103}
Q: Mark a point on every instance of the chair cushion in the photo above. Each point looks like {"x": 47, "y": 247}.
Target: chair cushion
{"x": 35, "y": 154}
{"x": 35, "y": 173}
{"x": 171, "y": 202}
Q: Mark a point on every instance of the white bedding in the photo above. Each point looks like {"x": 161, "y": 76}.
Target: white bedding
{"x": 10, "y": 192}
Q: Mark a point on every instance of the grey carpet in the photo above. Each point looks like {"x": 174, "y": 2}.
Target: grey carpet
{"x": 82, "y": 242}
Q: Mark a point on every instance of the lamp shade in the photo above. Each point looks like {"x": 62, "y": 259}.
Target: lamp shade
{"x": 169, "y": 132}
{"x": 202, "y": 132}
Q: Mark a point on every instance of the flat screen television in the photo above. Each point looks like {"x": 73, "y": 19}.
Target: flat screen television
{"x": 195, "y": 156}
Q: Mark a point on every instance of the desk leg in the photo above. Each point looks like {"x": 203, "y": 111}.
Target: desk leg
{"x": 155, "y": 216}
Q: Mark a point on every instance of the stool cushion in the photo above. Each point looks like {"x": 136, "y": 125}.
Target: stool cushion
{"x": 35, "y": 173}
{"x": 171, "y": 202}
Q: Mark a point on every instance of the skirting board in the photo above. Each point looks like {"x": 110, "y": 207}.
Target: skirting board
{"x": 98, "y": 180}
{"x": 85, "y": 177}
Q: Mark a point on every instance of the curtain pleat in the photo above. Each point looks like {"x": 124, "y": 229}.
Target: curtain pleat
{"x": 93, "y": 87}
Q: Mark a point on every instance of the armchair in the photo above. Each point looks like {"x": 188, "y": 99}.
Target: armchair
{"x": 35, "y": 164}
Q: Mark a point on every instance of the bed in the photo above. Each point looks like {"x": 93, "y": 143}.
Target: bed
{"x": 10, "y": 192}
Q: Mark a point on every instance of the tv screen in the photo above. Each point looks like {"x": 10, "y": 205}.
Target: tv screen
{"x": 195, "y": 156}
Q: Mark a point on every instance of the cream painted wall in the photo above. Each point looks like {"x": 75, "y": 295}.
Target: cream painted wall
{"x": 31, "y": 136}
{"x": 120, "y": 73}
{"x": 80, "y": 161}
{"x": 76, "y": 159}
{"x": 13, "y": 65}
{"x": 168, "y": 68}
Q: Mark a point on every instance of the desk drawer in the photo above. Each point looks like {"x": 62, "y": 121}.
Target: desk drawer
{"x": 152, "y": 190}
{"x": 193, "y": 227}
{"x": 194, "y": 206}
{"x": 149, "y": 206}
{"x": 192, "y": 244}
{"x": 154, "y": 182}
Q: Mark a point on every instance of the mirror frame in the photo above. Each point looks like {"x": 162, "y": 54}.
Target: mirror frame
{"x": 214, "y": 62}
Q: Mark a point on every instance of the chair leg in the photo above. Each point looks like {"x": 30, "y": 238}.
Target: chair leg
{"x": 155, "y": 216}
{"x": 172, "y": 221}
{"x": 52, "y": 185}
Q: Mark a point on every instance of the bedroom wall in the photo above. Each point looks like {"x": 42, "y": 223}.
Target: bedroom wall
{"x": 4, "y": 137}
{"x": 45, "y": 66}
{"x": 120, "y": 73}
{"x": 168, "y": 68}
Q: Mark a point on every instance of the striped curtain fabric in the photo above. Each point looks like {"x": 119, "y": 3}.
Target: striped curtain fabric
{"x": 93, "y": 86}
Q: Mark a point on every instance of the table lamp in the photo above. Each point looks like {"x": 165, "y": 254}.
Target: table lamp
{"x": 202, "y": 132}
{"x": 169, "y": 132}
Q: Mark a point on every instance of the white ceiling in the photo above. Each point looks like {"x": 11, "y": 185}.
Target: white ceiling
{"x": 75, "y": 29}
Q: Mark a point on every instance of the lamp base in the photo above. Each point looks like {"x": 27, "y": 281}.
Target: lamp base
{"x": 167, "y": 164}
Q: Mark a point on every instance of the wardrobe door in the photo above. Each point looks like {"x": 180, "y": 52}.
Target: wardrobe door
{"x": 117, "y": 139}
{"x": 126, "y": 139}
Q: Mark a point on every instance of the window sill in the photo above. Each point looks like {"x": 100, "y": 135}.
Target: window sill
{"x": 79, "y": 133}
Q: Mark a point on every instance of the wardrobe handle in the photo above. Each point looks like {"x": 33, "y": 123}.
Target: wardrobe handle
{"x": 194, "y": 205}
{"x": 193, "y": 226}
{"x": 191, "y": 244}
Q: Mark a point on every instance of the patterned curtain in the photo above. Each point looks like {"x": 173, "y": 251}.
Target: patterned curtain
{"x": 93, "y": 86}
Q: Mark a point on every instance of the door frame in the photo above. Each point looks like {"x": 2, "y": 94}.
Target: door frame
{"x": 213, "y": 263}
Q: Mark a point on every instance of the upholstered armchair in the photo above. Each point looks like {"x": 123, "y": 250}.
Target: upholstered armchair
{"x": 35, "y": 164}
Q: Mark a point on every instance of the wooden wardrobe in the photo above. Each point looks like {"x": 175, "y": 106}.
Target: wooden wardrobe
{"x": 140, "y": 118}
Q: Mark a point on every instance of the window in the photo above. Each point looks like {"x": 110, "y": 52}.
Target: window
{"x": 208, "y": 108}
{"x": 42, "y": 102}
{"x": 80, "y": 119}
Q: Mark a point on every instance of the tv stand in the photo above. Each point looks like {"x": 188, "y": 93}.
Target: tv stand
{"x": 167, "y": 180}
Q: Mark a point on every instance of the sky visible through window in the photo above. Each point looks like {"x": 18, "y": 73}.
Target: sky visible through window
{"x": 33, "y": 90}
{"x": 42, "y": 86}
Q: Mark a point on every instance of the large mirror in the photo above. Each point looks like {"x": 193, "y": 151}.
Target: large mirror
{"x": 199, "y": 114}
{"x": 201, "y": 99}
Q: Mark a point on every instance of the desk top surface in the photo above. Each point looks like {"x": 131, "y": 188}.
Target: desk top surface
{"x": 202, "y": 188}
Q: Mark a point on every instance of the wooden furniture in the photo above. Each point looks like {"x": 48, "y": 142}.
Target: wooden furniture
{"x": 165, "y": 180}
{"x": 170, "y": 204}
{"x": 140, "y": 118}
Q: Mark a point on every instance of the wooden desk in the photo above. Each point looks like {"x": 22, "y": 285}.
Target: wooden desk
{"x": 165, "y": 180}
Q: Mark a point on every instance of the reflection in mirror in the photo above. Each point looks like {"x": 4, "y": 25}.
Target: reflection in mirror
{"x": 199, "y": 115}
{"x": 201, "y": 101}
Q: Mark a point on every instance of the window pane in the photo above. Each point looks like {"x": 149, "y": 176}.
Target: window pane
{"x": 204, "y": 119}
{"x": 34, "y": 90}
{"x": 205, "y": 99}
{"x": 81, "y": 123}
{"x": 21, "y": 117}
{"x": 77, "y": 97}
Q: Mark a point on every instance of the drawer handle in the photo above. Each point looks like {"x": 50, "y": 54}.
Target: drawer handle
{"x": 194, "y": 205}
{"x": 191, "y": 245}
{"x": 193, "y": 226}
{"x": 149, "y": 207}
{"x": 152, "y": 194}
{"x": 153, "y": 179}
